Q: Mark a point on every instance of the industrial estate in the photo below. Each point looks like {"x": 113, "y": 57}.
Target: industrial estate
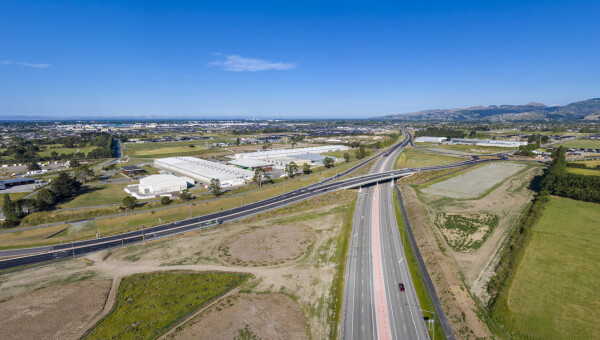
{"x": 390, "y": 228}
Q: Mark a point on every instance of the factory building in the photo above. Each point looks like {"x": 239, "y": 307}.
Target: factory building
{"x": 428, "y": 139}
{"x": 203, "y": 171}
{"x": 162, "y": 184}
{"x": 488, "y": 142}
{"x": 281, "y": 157}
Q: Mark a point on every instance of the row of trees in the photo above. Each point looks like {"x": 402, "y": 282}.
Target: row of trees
{"x": 62, "y": 187}
{"x": 562, "y": 183}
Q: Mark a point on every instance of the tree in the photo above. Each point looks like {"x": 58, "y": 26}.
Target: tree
{"x": 165, "y": 200}
{"x": 73, "y": 163}
{"x": 472, "y": 134}
{"x": 130, "y": 202}
{"x": 328, "y": 162}
{"x": 54, "y": 155}
{"x": 186, "y": 195}
{"x": 12, "y": 212}
{"x": 215, "y": 186}
{"x": 64, "y": 186}
{"x": 291, "y": 169}
{"x": 33, "y": 166}
{"x": 347, "y": 157}
{"x": 84, "y": 172}
{"x": 264, "y": 147}
{"x": 306, "y": 169}
{"x": 545, "y": 139}
{"x": 238, "y": 141}
{"x": 294, "y": 144}
{"x": 260, "y": 175}
{"x": 192, "y": 146}
{"x": 360, "y": 153}
{"x": 44, "y": 199}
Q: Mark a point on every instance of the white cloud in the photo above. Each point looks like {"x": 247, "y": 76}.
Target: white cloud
{"x": 21, "y": 63}
{"x": 238, "y": 63}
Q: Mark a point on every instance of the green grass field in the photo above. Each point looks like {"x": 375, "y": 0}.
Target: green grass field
{"x": 412, "y": 157}
{"x": 587, "y": 172}
{"x": 148, "y": 304}
{"x": 583, "y": 143}
{"x": 555, "y": 294}
{"x": 47, "y": 152}
{"x": 474, "y": 149}
{"x": 98, "y": 195}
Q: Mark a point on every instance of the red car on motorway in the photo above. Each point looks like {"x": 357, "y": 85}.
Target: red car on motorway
{"x": 401, "y": 285}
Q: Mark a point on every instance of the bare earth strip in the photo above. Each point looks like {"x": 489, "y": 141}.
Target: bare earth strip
{"x": 56, "y": 312}
{"x": 456, "y": 301}
{"x": 224, "y": 319}
{"x": 475, "y": 182}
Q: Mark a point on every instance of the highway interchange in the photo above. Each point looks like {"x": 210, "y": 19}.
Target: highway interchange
{"x": 374, "y": 307}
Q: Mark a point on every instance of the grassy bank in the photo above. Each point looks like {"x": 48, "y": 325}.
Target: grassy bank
{"x": 340, "y": 257}
{"x": 417, "y": 277}
{"x": 149, "y": 304}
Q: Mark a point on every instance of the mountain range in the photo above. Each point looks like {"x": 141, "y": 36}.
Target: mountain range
{"x": 582, "y": 110}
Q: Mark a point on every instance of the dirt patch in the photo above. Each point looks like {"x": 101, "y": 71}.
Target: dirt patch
{"x": 475, "y": 182}
{"x": 56, "y": 312}
{"x": 268, "y": 245}
{"x": 269, "y": 316}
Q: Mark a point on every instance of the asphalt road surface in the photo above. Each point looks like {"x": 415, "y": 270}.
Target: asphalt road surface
{"x": 374, "y": 306}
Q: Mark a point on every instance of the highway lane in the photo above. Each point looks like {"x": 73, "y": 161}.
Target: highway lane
{"x": 374, "y": 307}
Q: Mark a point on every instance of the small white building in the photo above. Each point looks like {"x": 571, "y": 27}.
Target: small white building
{"x": 162, "y": 184}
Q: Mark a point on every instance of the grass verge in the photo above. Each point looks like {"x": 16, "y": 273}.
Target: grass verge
{"x": 422, "y": 293}
{"x": 340, "y": 257}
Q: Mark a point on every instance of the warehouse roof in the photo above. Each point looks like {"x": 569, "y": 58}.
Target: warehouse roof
{"x": 193, "y": 166}
{"x": 250, "y": 163}
{"x": 161, "y": 179}
{"x": 17, "y": 180}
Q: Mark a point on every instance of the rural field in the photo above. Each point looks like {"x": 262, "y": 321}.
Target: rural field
{"x": 413, "y": 157}
{"x": 583, "y": 143}
{"x": 554, "y": 293}
{"x": 475, "y": 182}
{"x": 292, "y": 282}
{"x": 461, "y": 149}
{"x": 47, "y": 152}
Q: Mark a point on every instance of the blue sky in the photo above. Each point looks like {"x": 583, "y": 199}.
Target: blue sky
{"x": 291, "y": 59}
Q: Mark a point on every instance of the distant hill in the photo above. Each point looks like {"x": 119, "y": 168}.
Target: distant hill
{"x": 583, "y": 110}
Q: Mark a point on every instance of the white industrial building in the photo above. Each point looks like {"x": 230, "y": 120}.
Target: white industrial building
{"x": 282, "y": 153}
{"x": 162, "y": 184}
{"x": 489, "y": 142}
{"x": 204, "y": 171}
{"x": 428, "y": 139}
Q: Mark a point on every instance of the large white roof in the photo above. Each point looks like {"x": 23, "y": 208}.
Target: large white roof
{"x": 202, "y": 169}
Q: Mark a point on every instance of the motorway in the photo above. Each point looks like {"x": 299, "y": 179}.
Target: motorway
{"x": 32, "y": 256}
{"x": 374, "y": 307}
